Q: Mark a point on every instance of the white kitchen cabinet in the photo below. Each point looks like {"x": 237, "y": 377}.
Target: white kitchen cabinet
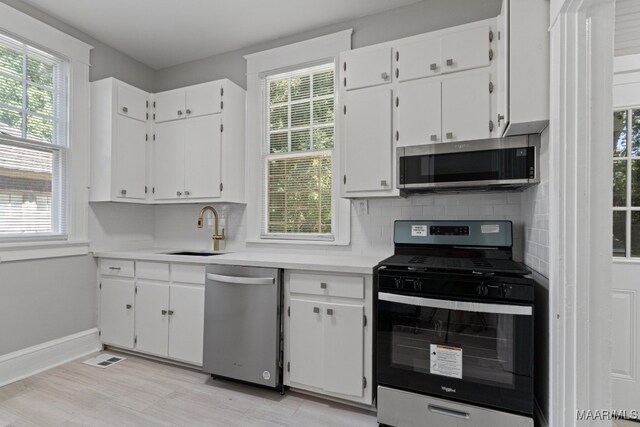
{"x": 419, "y": 112}
{"x": 416, "y": 59}
{"x": 119, "y": 141}
{"x": 193, "y": 101}
{"x": 168, "y": 160}
{"x": 367, "y": 135}
{"x": 328, "y": 341}
{"x": 117, "y": 314}
{"x": 466, "y": 49}
{"x": 202, "y": 153}
{"x": 366, "y": 67}
{"x": 152, "y": 318}
{"x": 186, "y": 324}
{"x": 466, "y": 108}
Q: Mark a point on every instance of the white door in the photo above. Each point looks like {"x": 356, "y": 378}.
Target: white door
{"x": 364, "y": 68}
{"x": 344, "y": 344}
{"x": 417, "y": 59}
{"x": 466, "y": 108}
{"x": 169, "y": 105}
{"x": 186, "y": 323}
{"x": 168, "y": 160}
{"x": 117, "y": 312}
{"x": 152, "y": 318}
{"x": 306, "y": 335}
{"x": 202, "y": 156}
{"x": 368, "y": 144}
{"x": 132, "y": 103}
{"x": 130, "y": 158}
{"x": 419, "y": 112}
{"x": 466, "y": 49}
{"x": 203, "y": 99}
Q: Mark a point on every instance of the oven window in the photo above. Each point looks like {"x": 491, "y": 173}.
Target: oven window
{"x": 429, "y": 341}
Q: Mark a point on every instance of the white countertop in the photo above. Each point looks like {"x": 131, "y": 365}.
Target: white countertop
{"x": 343, "y": 263}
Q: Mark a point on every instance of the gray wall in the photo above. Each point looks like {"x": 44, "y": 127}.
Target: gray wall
{"x": 46, "y": 299}
{"x": 428, "y": 15}
{"x": 105, "y": 60}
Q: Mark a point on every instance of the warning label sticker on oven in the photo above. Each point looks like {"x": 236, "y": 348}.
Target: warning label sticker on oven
{"x": 490, "y": 228}
{"x": 418, "y": 230}
{"x": 446, "y": 361}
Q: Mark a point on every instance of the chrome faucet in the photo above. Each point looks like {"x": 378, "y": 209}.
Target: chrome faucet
{"x": 216, "y": 234}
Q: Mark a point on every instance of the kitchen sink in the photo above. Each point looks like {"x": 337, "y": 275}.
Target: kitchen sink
{"x": 190, "y": 253}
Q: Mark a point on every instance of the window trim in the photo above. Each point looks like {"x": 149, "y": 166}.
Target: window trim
{"x": 299, "y": 55}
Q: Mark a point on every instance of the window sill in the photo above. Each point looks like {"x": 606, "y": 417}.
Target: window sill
{"x": 280, "y": 242}
{"x": 626, "y": 260}
{"x": 21, "y": 251}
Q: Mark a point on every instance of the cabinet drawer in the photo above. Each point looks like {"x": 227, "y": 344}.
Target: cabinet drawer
{"x": 116, "y": 267}
{"x": 152, "y": 270}
{"x": 188, "y": 273}
{"x": 327, "y": 285}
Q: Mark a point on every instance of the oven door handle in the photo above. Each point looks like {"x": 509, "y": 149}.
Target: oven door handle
{"x": 478, "y": 307}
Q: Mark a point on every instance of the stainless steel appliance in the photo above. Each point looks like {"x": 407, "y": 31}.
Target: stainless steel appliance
{"x": 243, "y": 324}
{"x": 492, "y": 164}
{"x": 454, "y": 327}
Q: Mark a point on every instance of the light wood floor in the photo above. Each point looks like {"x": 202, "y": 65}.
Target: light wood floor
{"x": 140, "y": 392}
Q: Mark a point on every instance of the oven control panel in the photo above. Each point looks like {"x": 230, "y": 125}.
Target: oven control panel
{"x": 443, "y": 230}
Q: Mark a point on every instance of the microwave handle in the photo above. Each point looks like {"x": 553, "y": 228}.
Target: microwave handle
{"x": 478, "y": 307}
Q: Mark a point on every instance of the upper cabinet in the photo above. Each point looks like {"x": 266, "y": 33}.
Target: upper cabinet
{"x": 120, "y": 131}
{"x": 365, "y": 68}
{"x": 181, "y": 146}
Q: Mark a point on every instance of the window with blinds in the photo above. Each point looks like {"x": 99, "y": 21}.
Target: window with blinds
{"x": 298, "y": 153}
{"x": 33, "y": 141}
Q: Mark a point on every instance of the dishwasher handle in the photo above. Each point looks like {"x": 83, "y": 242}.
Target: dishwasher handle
{"x": 241, "y": 280}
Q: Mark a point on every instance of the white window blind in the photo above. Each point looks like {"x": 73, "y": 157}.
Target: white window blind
{"x": 33, "y": 141}
{"x": 298, "y": 154}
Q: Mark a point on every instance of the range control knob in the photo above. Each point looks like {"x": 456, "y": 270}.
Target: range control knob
{"x": 505, "y": 291}
{"x": 417, "y": 285}
{"x": 398, "y": 282}
{"x": 482, "y": 290}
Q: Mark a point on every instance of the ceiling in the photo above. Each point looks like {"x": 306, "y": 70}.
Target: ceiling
{"x": 162, "y": 33}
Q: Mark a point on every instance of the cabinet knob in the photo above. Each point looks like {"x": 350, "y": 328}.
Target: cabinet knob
{"x": 316, "y": 309}
{"x": 384, "y": 76}
{"x": 170, "y": 312}
{"x": 129, "y": 306}
{"x": 123, "y": 192}
{"x": 188, "y": 111}
{"x": 383, "y": 183}
{"x": 433, "y": 137}
{"x": 500, "y": 118}
{"x": 163, "y": 312}
{"x": 125, "y": 110}
{"x": 187, "y": 193}
{"x": 179, "y": 193}
{"x": 449, "y": 62}
{"x": 449, "y": 135}
{"x": 179, "y": 112}
{"x": 330, "y": 311}
{"x": 433, "y": 66}
{"x": 323, "y": 285}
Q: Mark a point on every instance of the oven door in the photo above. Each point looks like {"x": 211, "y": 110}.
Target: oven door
{"x": 474, "y": 352}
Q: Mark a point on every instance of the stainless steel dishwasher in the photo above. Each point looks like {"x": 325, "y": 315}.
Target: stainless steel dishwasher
{"x": 243, "y": 324}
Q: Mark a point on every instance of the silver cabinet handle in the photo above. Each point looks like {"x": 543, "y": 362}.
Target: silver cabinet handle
{"x": 170, "y": 312}
{"x": 316, "y": 309}
{"x": 500, "y": 118}
{"x": 323, "y": 285}
{"x": 125, "y": 110}
{"x": 434, "y": 137}
{"x": 123, "y": 192}
{"x": 115, "y": 268}
{"x": 384, "y": 76}
{"x": 449, "y": 135}
{"x": 188, "y": 111}
{"x": 383, "y": 183}
{"x": 187, "y": 193}
{"x": 330, "y": 311}
{"x": 433, "y": 66}
{"x": 449, "y": 62}
{"x": 129, "y": 306}
{"x": 446, "y": 411}
{"x": 241, "y": 280}
{"x": 164, "y": 312}
{"x": 179, "y": 112}
{"x": 179, "y": 193}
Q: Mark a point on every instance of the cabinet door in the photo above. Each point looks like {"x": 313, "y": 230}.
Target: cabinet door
{"x": 130, "y": 149}
{"x": 368, "y": 145}
{"x": 152, "y": 318}
{"x": 203, "y": 99}
{"x": 502, "y": 114}
{"x": 419, "y": 59}
{"x": 306, "y": 335}
{"x": 371, "y": 67}
{"x": 465, "y": 50}
{"x": 186, "y": 323}
{"x": 117, "y": 312}
{"x": 168, "y": 161}
{"x": 169, "y": 105}
{"x": 466, "y": 108}
{"x": 202, "y": 156}
{"x": 344, "y": 344}
{"x": 132, "y": 103}
{"x": 419, "y": 112}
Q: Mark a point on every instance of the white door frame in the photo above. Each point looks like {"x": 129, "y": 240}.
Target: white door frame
{"x": 580, "y": 213}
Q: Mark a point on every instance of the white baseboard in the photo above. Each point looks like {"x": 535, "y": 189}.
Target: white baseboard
{"x": 30, "y": 361}
{"x": 538, "y": 415}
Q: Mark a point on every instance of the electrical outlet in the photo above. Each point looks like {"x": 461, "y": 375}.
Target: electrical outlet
{"x": 363, "y": 207}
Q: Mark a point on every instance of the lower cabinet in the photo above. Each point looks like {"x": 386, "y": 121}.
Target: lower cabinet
{"x": 117, "y": 298}
{"x": 328, "y": 344}
{"x": 186, "y": 323}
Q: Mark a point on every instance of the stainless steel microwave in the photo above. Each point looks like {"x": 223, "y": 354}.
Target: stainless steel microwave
{"x": 491, "y": 164}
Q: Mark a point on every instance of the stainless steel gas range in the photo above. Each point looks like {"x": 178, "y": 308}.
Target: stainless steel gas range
{"x": 454, "y": 327}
